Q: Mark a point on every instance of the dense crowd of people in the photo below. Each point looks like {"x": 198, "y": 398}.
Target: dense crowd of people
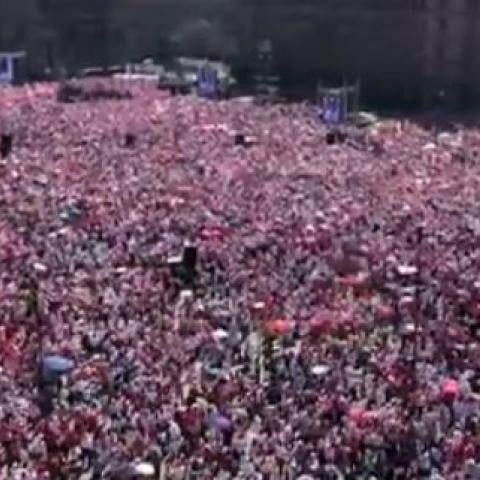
{"x": 328, "y": 330}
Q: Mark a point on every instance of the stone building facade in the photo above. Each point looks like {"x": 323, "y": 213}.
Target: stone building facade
{"x": 408, "y": 51}
{"x": 402, "y": 51}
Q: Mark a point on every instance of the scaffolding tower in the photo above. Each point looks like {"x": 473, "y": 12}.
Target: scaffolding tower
{"x": 266, "y": 81}
{"x": 338, "y": 105}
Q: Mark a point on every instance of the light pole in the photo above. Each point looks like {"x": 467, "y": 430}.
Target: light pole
{"x": 418, "y": 254}
{"x": 34, "y": 311}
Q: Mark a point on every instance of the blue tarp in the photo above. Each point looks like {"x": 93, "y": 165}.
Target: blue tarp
{"x": 55, "y": 365}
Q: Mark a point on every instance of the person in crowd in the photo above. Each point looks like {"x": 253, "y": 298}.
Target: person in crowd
{"x": 331, "y": 329}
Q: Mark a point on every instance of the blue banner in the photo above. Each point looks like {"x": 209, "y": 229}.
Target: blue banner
{"x": 208, "y": 81}
{"x": 332, "y": 109}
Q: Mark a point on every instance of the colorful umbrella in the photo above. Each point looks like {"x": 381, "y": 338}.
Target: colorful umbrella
{"x": 358, "y": 280}
{"x": 450, "y": 388}
{"x": 322, "y": 324}
{"x": 212, "y": 233}
{"x": 277, "y": 327}
{"x": 384, "y": 312}
{"x": 57, "y": 365}
{"x": 356, "y": 414}
{"x": 220, "y": 422}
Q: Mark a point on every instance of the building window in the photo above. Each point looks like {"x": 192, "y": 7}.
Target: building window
{"x": 19, "y": 34}
{"x": 3, "y": 65}
{"x": 418, "y": 4}
{"x": 440, "y": 51}
{"x": 442, "y": 24}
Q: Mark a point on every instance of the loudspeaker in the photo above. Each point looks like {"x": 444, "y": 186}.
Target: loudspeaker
{"x": 330, "y": 138}
{"x": 6, "y": 145}
{"x": 189, "y": 258}
{"x": 335, "y": 136}
{"x": 239, "y": 139}
{"x": 130, "y": 140}
{"x": 183, "y": 268}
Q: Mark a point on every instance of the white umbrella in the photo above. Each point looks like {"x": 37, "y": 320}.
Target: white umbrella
{"x": 220, "y": 334}
{"x": 407, "y": 270}
{"x": 144, "y": 469}
{"x": 258, "y": 305}
{"x": 406, "y": 300}
{"x": 429, "y": 147}
{"x": 408, "y": 329}
{"x": 186, "y": 295}
{"x": 320, "y": 370}
{"x": 58, "y": 364}
{"x": 175, "y": 260}
{"x": 39, "y": 267}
